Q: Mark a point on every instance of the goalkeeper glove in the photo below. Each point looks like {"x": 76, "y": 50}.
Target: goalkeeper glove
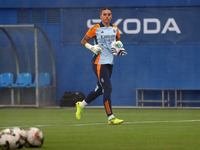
{"x": 117, "y": 51}
{"x": 119, "y": 44}
{"x": 95, "y": 49}
{"x": 122, "y": 52}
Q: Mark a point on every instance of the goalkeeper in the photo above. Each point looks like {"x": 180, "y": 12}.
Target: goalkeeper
{"x": 103, "y": 34}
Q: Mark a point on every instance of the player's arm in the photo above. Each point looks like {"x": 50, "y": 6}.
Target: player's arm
{"x": 117, "y": 39}
{"x": 85, "y": 40}
{"x": 118, "y": 42}
{"x": 94, "y": 48}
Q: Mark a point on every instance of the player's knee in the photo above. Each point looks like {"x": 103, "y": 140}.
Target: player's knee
{"x": 99, "y": 90}
{"x": 108, "y": 89}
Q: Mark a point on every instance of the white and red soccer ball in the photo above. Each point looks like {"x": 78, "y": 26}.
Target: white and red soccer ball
{"x": 15, "y": 137}
{"x": 9, "y": 139}
{"x": 35, "y": 137}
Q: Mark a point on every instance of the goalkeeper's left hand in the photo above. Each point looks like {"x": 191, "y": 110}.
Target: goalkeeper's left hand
{"x": 119, "y": 44}
{"x": 117, "y": 51}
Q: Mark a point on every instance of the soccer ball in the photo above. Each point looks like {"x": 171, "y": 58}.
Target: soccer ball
{"x": 22, "y": 134}
{"x": 35, "y": 137}
{"x": 9, "y": 139}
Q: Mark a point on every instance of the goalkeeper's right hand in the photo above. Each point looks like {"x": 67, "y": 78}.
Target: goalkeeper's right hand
{"x": 95, "y": 49}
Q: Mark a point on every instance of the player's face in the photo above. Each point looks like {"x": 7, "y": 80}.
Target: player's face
{"x": 106, "y": 16}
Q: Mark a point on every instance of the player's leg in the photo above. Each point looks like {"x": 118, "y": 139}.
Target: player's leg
{"x": 91, "y": 96}
{"x": 94, "y": 93}
{"x": 106, "y": 72}
{"x": 105, "y": 75}
{"x": 98, "y": 90}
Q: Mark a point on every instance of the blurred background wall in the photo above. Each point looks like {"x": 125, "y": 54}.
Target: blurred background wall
{"x": 161, "y": 38}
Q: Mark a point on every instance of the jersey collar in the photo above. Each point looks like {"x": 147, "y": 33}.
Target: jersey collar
{"x": 101, "y": 24}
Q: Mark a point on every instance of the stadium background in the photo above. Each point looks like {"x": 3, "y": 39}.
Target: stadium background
{"x": 156, "y": 60}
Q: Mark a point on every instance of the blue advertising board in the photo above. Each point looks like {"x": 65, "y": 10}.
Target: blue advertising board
{"x": 137, "y": 25}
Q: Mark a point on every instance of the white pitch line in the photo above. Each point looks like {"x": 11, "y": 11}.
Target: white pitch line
{"x": 92, "y": 124}
{"x": 95, "y": 124}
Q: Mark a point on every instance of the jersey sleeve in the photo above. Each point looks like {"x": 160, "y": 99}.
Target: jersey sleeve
{"x": 92, "y": 31}
{"x": 118, "y": 35}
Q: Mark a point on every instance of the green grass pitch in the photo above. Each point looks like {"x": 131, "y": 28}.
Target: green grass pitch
{"x": 143, "y": 129}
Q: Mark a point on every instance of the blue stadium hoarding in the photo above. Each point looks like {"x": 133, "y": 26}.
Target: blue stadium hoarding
{"x": 172, "y": 63}
{"x": 137, "y": 25}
